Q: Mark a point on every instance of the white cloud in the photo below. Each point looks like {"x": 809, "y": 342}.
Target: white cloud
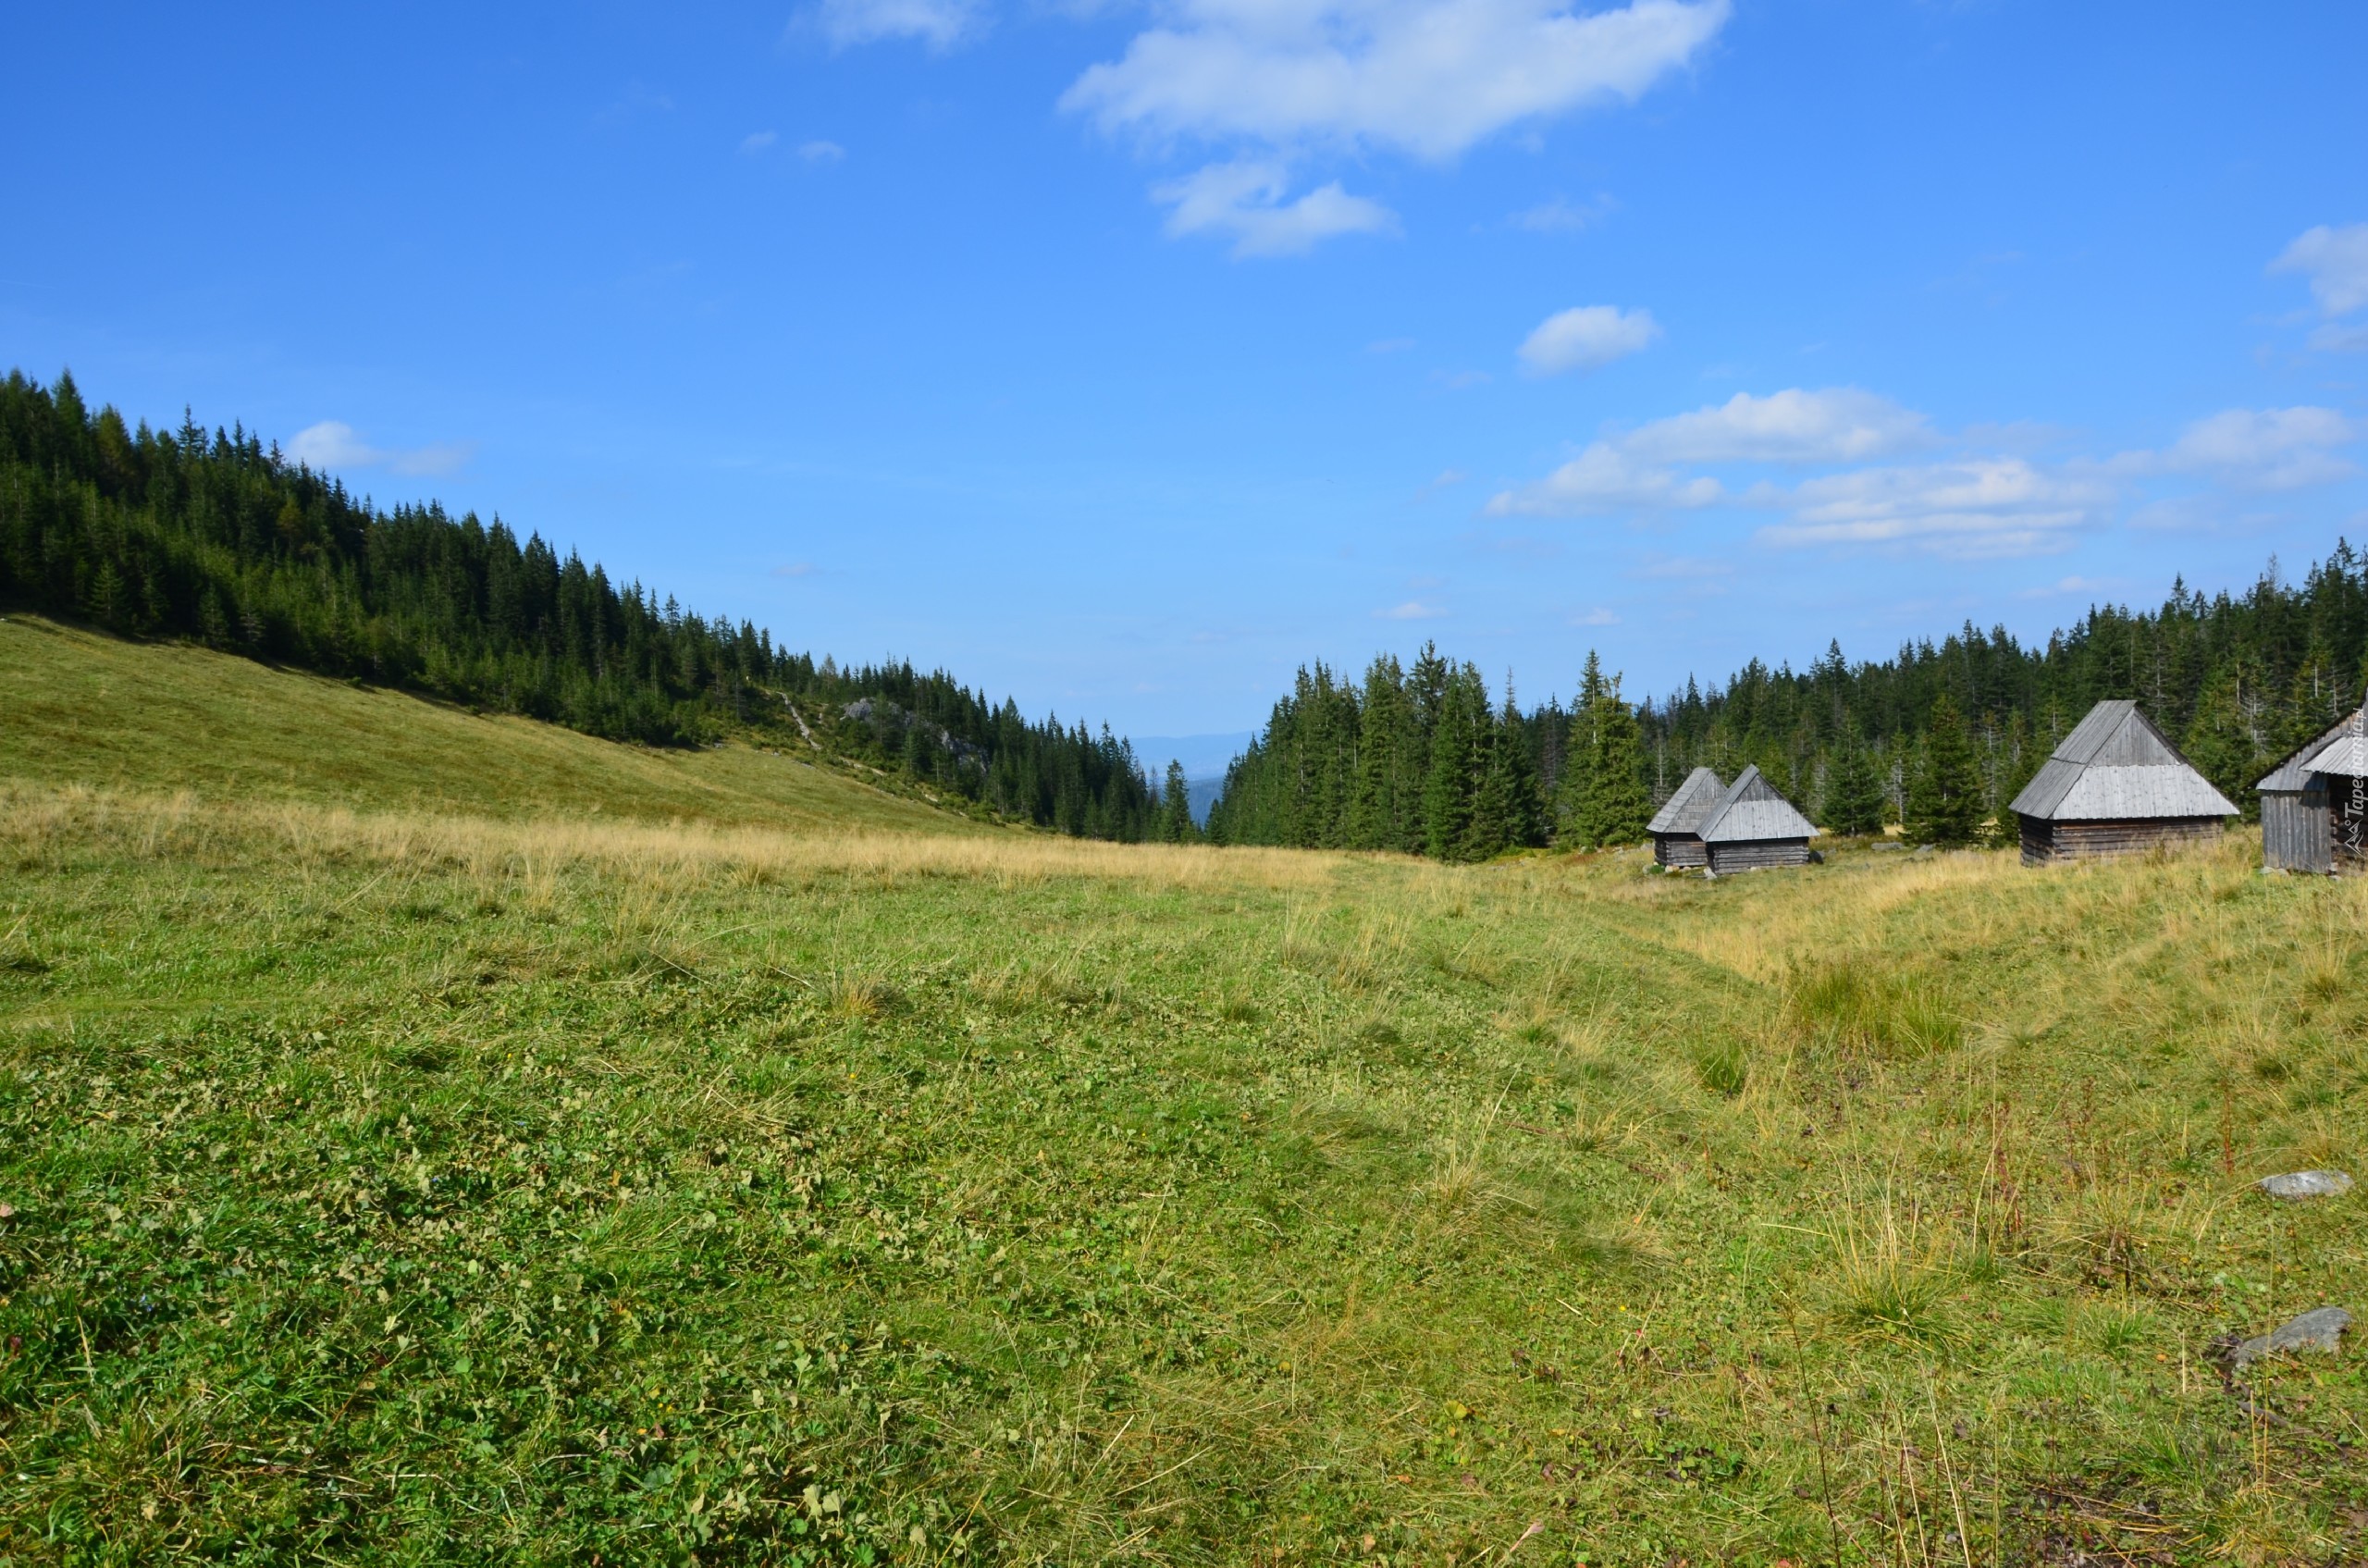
{"x": 1596, "y": 617}
{"x": 1637, "y": 470}
{"x": 2091, "y": 586}
{"x": 1245, "y": 200}
{"x": 2337, "y": 261}
{"x": 1412, "y": 609}
{"x": 1686, "y": 568}
{"x": 1427, "y": 77}
{"x": 1978, "y": 508}
{"x": 941, "y": 24}
{"x": 2276, "y": 449}
{"x": 820, "y": 152}
{"x": 1604, "y": 478}
{"x": 1585, "y": 337}
{"x": 1558, "y": 216}
{"x": 333, "y": 444}
{"x": 1837, "y": 425}
{"x": 756, "y": 142}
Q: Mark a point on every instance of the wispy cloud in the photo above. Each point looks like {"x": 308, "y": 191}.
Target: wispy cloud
{"x": 1595, "y": 617}
{"x": 1412, "y": 609}
{"x": 1559, "y": 215}
{"x": 1686, "y": 568}
{"x": 2270, "y": 449}
{"x": 333, "y": 445}
{"x": 1245, "y": 201}
{"x": 1835, "y": 424}
{"x": 940, "y": 24}
{"x": 2335, "y": 261}
{"x": 796, "y": 569}
{"x": 1585, "y": 337}
{"x": 820, "y": 152}
{"x": 1978, "y": 508}
{"x": 1605, "y": 478}
{"x": 1426, "y": 77}
{"x": 635, "y": 100}
{"x": 1429, "y": 79}
{"x": 758, "y": 140}
{"x": 2064, "y": 587}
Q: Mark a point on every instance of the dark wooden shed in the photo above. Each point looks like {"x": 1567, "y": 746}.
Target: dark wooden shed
{"x": 1753, "y": 827}
{"x": 2116, "y": 786}
{"x": 2312, "y": 805}
{"x": 1676, "y": 827}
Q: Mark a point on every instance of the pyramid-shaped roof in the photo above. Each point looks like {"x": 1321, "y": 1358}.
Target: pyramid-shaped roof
{"x": 2116, "y": 766}
{"x": 1751, "y": 809}
{"x": 1683, "y": 812}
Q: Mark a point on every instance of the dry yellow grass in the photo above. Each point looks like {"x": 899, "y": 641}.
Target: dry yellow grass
{"x": 497, "y": 848}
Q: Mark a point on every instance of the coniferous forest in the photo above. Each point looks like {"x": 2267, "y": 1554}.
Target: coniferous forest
{"x": 1937, "y": 737}
{"x": 219, "y": 539}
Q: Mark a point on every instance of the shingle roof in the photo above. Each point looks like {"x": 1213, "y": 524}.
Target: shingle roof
{"x": 1751, "y": 811}
{"x": 1683, "y": 812}
{"x": 2116, "y": 766}
{"x": 2289, "y": 775}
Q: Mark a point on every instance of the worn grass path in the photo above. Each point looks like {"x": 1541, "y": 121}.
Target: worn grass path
{"x": 413, "y": 1188}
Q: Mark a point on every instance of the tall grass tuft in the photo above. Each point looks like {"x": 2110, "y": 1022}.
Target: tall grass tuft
{"x": 1853, "y": 1004}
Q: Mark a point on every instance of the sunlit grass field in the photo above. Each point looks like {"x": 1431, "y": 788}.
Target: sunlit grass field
{"x": 100, "y": 711}
{"x": 426, "y": 1185}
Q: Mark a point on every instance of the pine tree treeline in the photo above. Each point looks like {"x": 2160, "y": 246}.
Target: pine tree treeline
{"x": 1415, "y": 757}
{"x": 2237, "y": 680}
{"x": 219, "y": 539}
{"x": 1945, "y": 735}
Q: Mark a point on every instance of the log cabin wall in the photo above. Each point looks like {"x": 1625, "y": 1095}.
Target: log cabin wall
{"x": 2093, "y": 841}
{"x": 1759, "y": 854}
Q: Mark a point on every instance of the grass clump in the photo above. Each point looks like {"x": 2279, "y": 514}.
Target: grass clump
{"x": 1852, "y": 1004}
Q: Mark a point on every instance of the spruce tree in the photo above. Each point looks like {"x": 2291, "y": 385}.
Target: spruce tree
{"x": 2018, "y": 764}
{"x": 1383, "y": 741}
{"x": 1504, "y": 811}
{"x": 1459, "y": 754}
{"x": 1582, "y": 755}
{"x": 2222, "y": 740}
{"x": 1853, "y": 801}
{"x": 1175, "y": 808}
{"x": 1945, "y": 803}
{"x": 1616, "y": 806}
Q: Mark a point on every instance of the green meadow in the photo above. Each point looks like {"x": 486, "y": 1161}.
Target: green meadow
{"x": 427, "y": 1137}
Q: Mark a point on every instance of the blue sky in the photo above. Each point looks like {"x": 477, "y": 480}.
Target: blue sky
{"x": 1122, "y": 356}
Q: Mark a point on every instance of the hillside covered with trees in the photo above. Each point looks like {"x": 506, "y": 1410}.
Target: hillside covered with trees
{"x": 220, "y": 539}
{"x": 1937, "y": 736}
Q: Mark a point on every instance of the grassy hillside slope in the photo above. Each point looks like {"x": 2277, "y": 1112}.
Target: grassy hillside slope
{"x": 395, "y": 1188}
{"x": 148, "y": 716}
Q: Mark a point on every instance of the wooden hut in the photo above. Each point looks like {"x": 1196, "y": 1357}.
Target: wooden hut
{"x": 1754, "y": 827}
{"x": 2312, "y": 805}
{"x": 2116, "y": 786}
{"x": 1676, "y": 827}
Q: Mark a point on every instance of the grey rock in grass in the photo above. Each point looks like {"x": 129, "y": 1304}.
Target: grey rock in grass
{"x": 2320, "y": 1330}
{"x": 2306, "y": 1184}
